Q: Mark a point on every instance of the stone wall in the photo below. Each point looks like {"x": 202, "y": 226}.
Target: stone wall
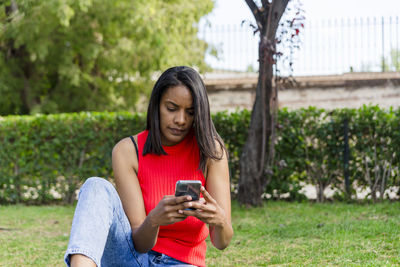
{"x": 236, "y": 91}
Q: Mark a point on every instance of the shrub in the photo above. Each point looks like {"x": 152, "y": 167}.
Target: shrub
{"x": 45, "y": 158}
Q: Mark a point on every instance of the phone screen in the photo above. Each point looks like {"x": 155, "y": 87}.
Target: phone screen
{"x": 188, "y": 188}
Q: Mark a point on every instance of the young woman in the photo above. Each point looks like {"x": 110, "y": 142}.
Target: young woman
{"x": 142, "y": 223}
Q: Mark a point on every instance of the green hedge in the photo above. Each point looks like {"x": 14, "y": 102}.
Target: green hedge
{"x": 45, "y": 158}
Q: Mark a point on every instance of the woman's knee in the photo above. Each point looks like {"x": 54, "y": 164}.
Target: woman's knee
{"x": 97, "y": 181}
{"x": 98, "y": 184}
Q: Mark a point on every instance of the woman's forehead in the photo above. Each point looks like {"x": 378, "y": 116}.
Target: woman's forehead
{"x": 178, "y": 94}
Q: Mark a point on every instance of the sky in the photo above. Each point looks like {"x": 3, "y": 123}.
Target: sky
{"x": 234, "y": 11}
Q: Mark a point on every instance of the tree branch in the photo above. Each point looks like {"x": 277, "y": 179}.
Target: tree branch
{"x": 376, "y": 168}
{"x": 254, "y": 9}
{"x": 10, "y": 9}
{"x": 367, "y": 175}
{"x": 274, "y": 16}
{"x": 265, "y": 4}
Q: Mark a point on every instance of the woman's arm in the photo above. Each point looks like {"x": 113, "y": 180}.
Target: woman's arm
{"x": 216, "y": 211}
{"x": 218, "y": 188}
{"x": 144, "y": 228}
{"x": 125, "y": 166}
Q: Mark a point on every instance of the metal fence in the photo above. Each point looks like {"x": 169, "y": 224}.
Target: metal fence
{"x": 326, "y": 47}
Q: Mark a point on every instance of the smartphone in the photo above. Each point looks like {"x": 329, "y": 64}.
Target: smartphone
{"x": 188, "y": 188}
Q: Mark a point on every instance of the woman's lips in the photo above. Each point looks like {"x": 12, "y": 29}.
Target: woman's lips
{"x": 175, "y": 131}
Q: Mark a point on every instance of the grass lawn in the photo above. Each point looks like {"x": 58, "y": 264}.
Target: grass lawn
{"x": 280, "y": 234}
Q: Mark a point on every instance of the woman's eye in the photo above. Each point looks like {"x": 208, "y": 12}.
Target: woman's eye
{"x": 171, "y": 109}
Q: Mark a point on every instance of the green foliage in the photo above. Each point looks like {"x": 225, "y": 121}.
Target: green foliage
{"x": 376, "y": 154}
{"x": 322, "y": 148}
{"x": 392, "y": 62}
{"x": 69, "y": 56}
{"x": 45, "y": 158}
{"x": 395, "y": 59}
{"x": 288, "y": 169}
{"x": 232, "y": 127}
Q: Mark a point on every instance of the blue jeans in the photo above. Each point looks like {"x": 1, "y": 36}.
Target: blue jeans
{"x": 101, "y": 230}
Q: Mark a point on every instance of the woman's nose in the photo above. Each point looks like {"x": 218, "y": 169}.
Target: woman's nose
{"x": 180, "y": 118}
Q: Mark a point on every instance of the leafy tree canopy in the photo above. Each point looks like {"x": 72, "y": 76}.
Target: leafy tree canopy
{"x": 73, "y": 55}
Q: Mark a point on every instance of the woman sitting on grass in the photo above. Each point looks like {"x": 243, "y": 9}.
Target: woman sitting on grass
{"x": 142, "y": 223}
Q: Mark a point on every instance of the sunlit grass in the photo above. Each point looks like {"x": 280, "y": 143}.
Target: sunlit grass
{"x": 34, "y": 236}
{"x": 301, "y": 234}
{"x": 280, "y": 234}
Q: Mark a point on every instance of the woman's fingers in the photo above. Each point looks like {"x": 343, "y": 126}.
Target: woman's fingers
{"x": 205, "y": 216}
{"x": 194, "y": 207}
{"x": 182, "y": 206}
{"x": 208, "y": 198}
{"x": 173, "y": 201}
{"x": 205, "y": 203}
{"x": 206, "y": 210}
{"x": 168, "y": 209}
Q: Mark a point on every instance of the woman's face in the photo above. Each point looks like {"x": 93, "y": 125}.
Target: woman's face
{"x": 176, "y": 115}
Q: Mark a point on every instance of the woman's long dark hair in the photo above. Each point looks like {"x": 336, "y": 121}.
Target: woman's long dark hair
{"x": 205, "y": 132}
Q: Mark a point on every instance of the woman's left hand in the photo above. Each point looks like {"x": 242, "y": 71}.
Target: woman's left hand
{"x": 206, "y": 209}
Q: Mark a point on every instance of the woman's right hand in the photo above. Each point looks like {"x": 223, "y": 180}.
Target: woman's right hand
{"x": 167, "y": 210}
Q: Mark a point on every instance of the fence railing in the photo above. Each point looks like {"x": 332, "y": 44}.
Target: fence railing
{"x": 327, "y": 46}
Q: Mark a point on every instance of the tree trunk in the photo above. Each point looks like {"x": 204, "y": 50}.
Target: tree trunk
{"x": 258, "y": 152}
{"x": 11, "y": 8}
{"x": 320, "y": 192}
{"x": 254, "y": 166}
{"x": 373, "y": 195}
{"x": 20, "y": 54}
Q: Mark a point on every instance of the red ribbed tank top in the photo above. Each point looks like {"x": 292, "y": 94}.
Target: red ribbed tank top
{"x": 158, "y": 174}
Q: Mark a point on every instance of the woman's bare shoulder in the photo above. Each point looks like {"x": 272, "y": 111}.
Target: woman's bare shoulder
{"x": 124, "y": 145}
{"x": 124, "y": 150}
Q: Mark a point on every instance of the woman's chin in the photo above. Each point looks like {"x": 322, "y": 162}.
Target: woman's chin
{"x": 172, "y": 140}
